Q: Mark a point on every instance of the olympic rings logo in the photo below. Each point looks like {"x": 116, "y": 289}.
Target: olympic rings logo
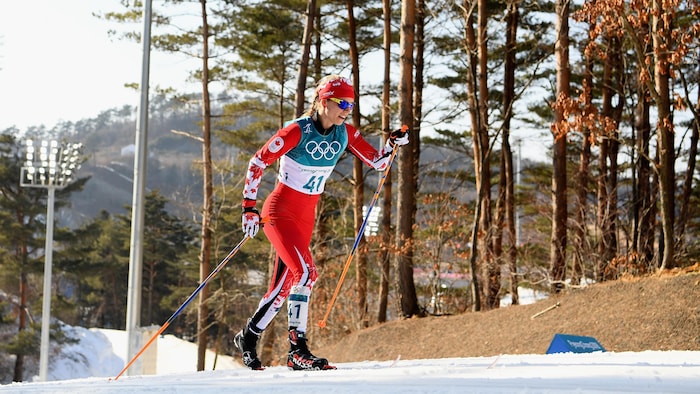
{"x": 323, "y": 149}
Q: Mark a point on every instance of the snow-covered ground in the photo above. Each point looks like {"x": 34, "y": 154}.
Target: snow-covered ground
{"x": 90, "y": 367}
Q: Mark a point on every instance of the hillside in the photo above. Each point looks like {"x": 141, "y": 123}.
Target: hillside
{"x": 660, "y": 312}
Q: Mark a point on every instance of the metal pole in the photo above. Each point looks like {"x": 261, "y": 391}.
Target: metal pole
{"x": 133, "y": 307}
{"x": 46, "y": 306}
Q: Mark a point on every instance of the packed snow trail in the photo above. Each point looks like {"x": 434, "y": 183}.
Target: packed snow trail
{"x": 602, "y": 372}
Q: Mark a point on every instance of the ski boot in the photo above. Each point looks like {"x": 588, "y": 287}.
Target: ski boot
{"x": 246, "y": 342}
{"x": 300, "y": 358}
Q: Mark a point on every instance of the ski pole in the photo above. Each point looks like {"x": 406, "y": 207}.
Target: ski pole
{"x": 190, "y": 298}
{"x": 360, "y": 233}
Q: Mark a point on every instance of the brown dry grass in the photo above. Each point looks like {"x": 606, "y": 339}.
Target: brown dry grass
{"x": 657, "y": 312}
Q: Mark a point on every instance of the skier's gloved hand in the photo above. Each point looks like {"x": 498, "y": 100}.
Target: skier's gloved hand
{"x": 251, "y": 221}
{"x": 399, "y": 137}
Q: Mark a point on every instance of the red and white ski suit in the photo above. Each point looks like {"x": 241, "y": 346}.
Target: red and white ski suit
{"x": 307, "y": 158}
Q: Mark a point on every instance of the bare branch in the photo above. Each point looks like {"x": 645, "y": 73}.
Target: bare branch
{"x": 188, "y": 135}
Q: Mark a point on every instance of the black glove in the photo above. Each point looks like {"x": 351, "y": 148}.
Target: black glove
{"x": 399, "y": 137}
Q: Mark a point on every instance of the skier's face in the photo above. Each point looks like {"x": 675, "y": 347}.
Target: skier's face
{"x": 338, "y": 109}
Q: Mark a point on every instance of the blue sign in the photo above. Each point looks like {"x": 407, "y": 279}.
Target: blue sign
{"x": 563, "y": 343}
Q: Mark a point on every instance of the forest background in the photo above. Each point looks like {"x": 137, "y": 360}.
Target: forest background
{"x": 613, "y": 85}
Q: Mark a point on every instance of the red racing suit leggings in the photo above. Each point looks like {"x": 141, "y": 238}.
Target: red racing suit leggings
{"x": 290, "y": 217}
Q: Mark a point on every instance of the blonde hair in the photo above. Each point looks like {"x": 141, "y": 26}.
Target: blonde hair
{"x": 316, "y": 102}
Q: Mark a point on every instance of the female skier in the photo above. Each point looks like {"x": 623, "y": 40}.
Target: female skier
{"x": 308, "y": 149}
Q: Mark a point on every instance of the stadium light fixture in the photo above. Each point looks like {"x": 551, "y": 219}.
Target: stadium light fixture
{"x": 51, "y": 166}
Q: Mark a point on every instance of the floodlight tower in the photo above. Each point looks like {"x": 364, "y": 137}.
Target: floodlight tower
{"x": 50, "y": 166}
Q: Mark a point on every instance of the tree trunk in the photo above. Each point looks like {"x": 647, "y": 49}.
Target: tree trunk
{"x": 581, "y": 251}
{"x": 320, "y": 252}
{"x": 492, "y": 269}
{"x": 607, "y": 168}
{"x": 644, "y": 202}
{"x": 499, "y": 220}
{"x": 603, "y": 211}
{"x": 304, "y": 62}
{"x": 512, "y": 16}
{"x": 317, "y": 44}
{"x": 559, "y": 203}
{"x": 384, "y": 256}
{"x": 419, "y": 67}
{"x": 664, "y": 132}
{"x": 471, "y": 78}
{"x": 205, "y": 251}
{"x": 617, "y": 107}
{"x": 151, "y": 290}
{"x": 689, "y": 176}
{"x": 358, "y": 176}
{"x": 407, "y": 159}
{"x": 22, "y": 317}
